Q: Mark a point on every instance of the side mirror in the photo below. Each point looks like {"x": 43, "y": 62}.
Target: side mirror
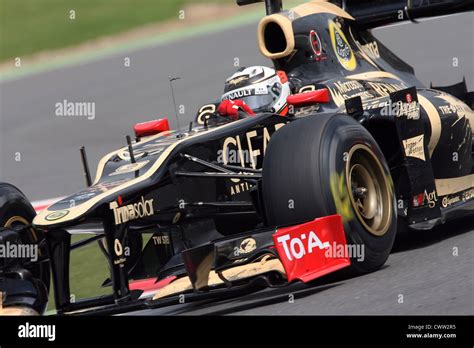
{"x": 151, "y": 127}
{"x": 309, "y": 98}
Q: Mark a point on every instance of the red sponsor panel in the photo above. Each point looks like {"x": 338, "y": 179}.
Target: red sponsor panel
{"x": 305, "y": 251}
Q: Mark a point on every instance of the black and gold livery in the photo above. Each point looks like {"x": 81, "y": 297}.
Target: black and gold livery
{"x": 385, "y": 152}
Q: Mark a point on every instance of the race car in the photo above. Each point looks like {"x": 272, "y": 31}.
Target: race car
{"x": 365, "y": 152}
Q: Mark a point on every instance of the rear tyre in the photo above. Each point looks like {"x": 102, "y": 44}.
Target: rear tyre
{"x": 329, "y": 164}
{"x": 16, "y": 212}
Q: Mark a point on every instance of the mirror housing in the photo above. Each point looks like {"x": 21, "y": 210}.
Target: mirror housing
{"x": 309, "y": 98}
{"x": 151, "y": 127}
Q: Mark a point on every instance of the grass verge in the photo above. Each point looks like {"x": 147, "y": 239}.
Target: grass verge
{"x": 30, "y": 26}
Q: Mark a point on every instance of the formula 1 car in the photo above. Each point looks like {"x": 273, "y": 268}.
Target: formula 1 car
{"x": 365, "y": 152}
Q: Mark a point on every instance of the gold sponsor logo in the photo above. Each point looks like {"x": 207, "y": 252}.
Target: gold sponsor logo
{"x": 161, "y": 240}
{"x": 206, "y": 112}
{"x": 134, "y": 211}
{"x": 454, "y": 106}
{"x": 431, "y": 198}
{"x": 247, "y": 246}
{"x": 242, "y": 151}
{"x": 237, "y": 80}
{"x": 348, "y": 86}
{"x": 340, "y": 98}
{"x": 468, "y": 195}
{"x": 414, "y": 147}
{"x": 376, "y": 104}
{"x": 447, "y": 201}
{"x": 241, "y": 187}
{"x": 452, "y": 109}
{"x": 343, "y": 90}
{"x": 384, "y": 89}
{"x": 371, "y": 49}
{"x": 341, "y": 47}
{"x": 118, "y": 248}
{"x": 56, "y": 215}
{"x": 410, "y": 110}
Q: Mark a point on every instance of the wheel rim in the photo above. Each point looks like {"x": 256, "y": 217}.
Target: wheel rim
{"x": 40, "y": 271}
{"x": 20, "y": 221}
{"x": 369, "y": 190}
{"x": 17, "y": 221}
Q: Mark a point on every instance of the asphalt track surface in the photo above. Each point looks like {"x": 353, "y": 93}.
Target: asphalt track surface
{"x": 423, "y": 269}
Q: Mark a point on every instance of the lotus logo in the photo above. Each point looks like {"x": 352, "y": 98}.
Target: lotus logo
{"x": 247, "y": 246}
{"x": 56, "y": 215}
{"x": 341, "y": 47}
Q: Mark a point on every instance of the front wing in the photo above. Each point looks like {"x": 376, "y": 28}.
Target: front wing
{"x": 233, "y": 266}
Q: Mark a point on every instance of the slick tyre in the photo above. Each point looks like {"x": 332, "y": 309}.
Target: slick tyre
{"x": 16, "y": 212}
{"x": 329, "y": 164}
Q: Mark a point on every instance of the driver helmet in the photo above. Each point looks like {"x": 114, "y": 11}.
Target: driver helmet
{"x": 262, "y": 89}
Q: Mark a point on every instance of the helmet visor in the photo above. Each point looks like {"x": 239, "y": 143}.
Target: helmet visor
{"x": 262, "y": 102}
{"x": 257, "y": 98}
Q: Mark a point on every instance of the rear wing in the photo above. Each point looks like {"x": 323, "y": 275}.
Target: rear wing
{"x": 375, "y": 13}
